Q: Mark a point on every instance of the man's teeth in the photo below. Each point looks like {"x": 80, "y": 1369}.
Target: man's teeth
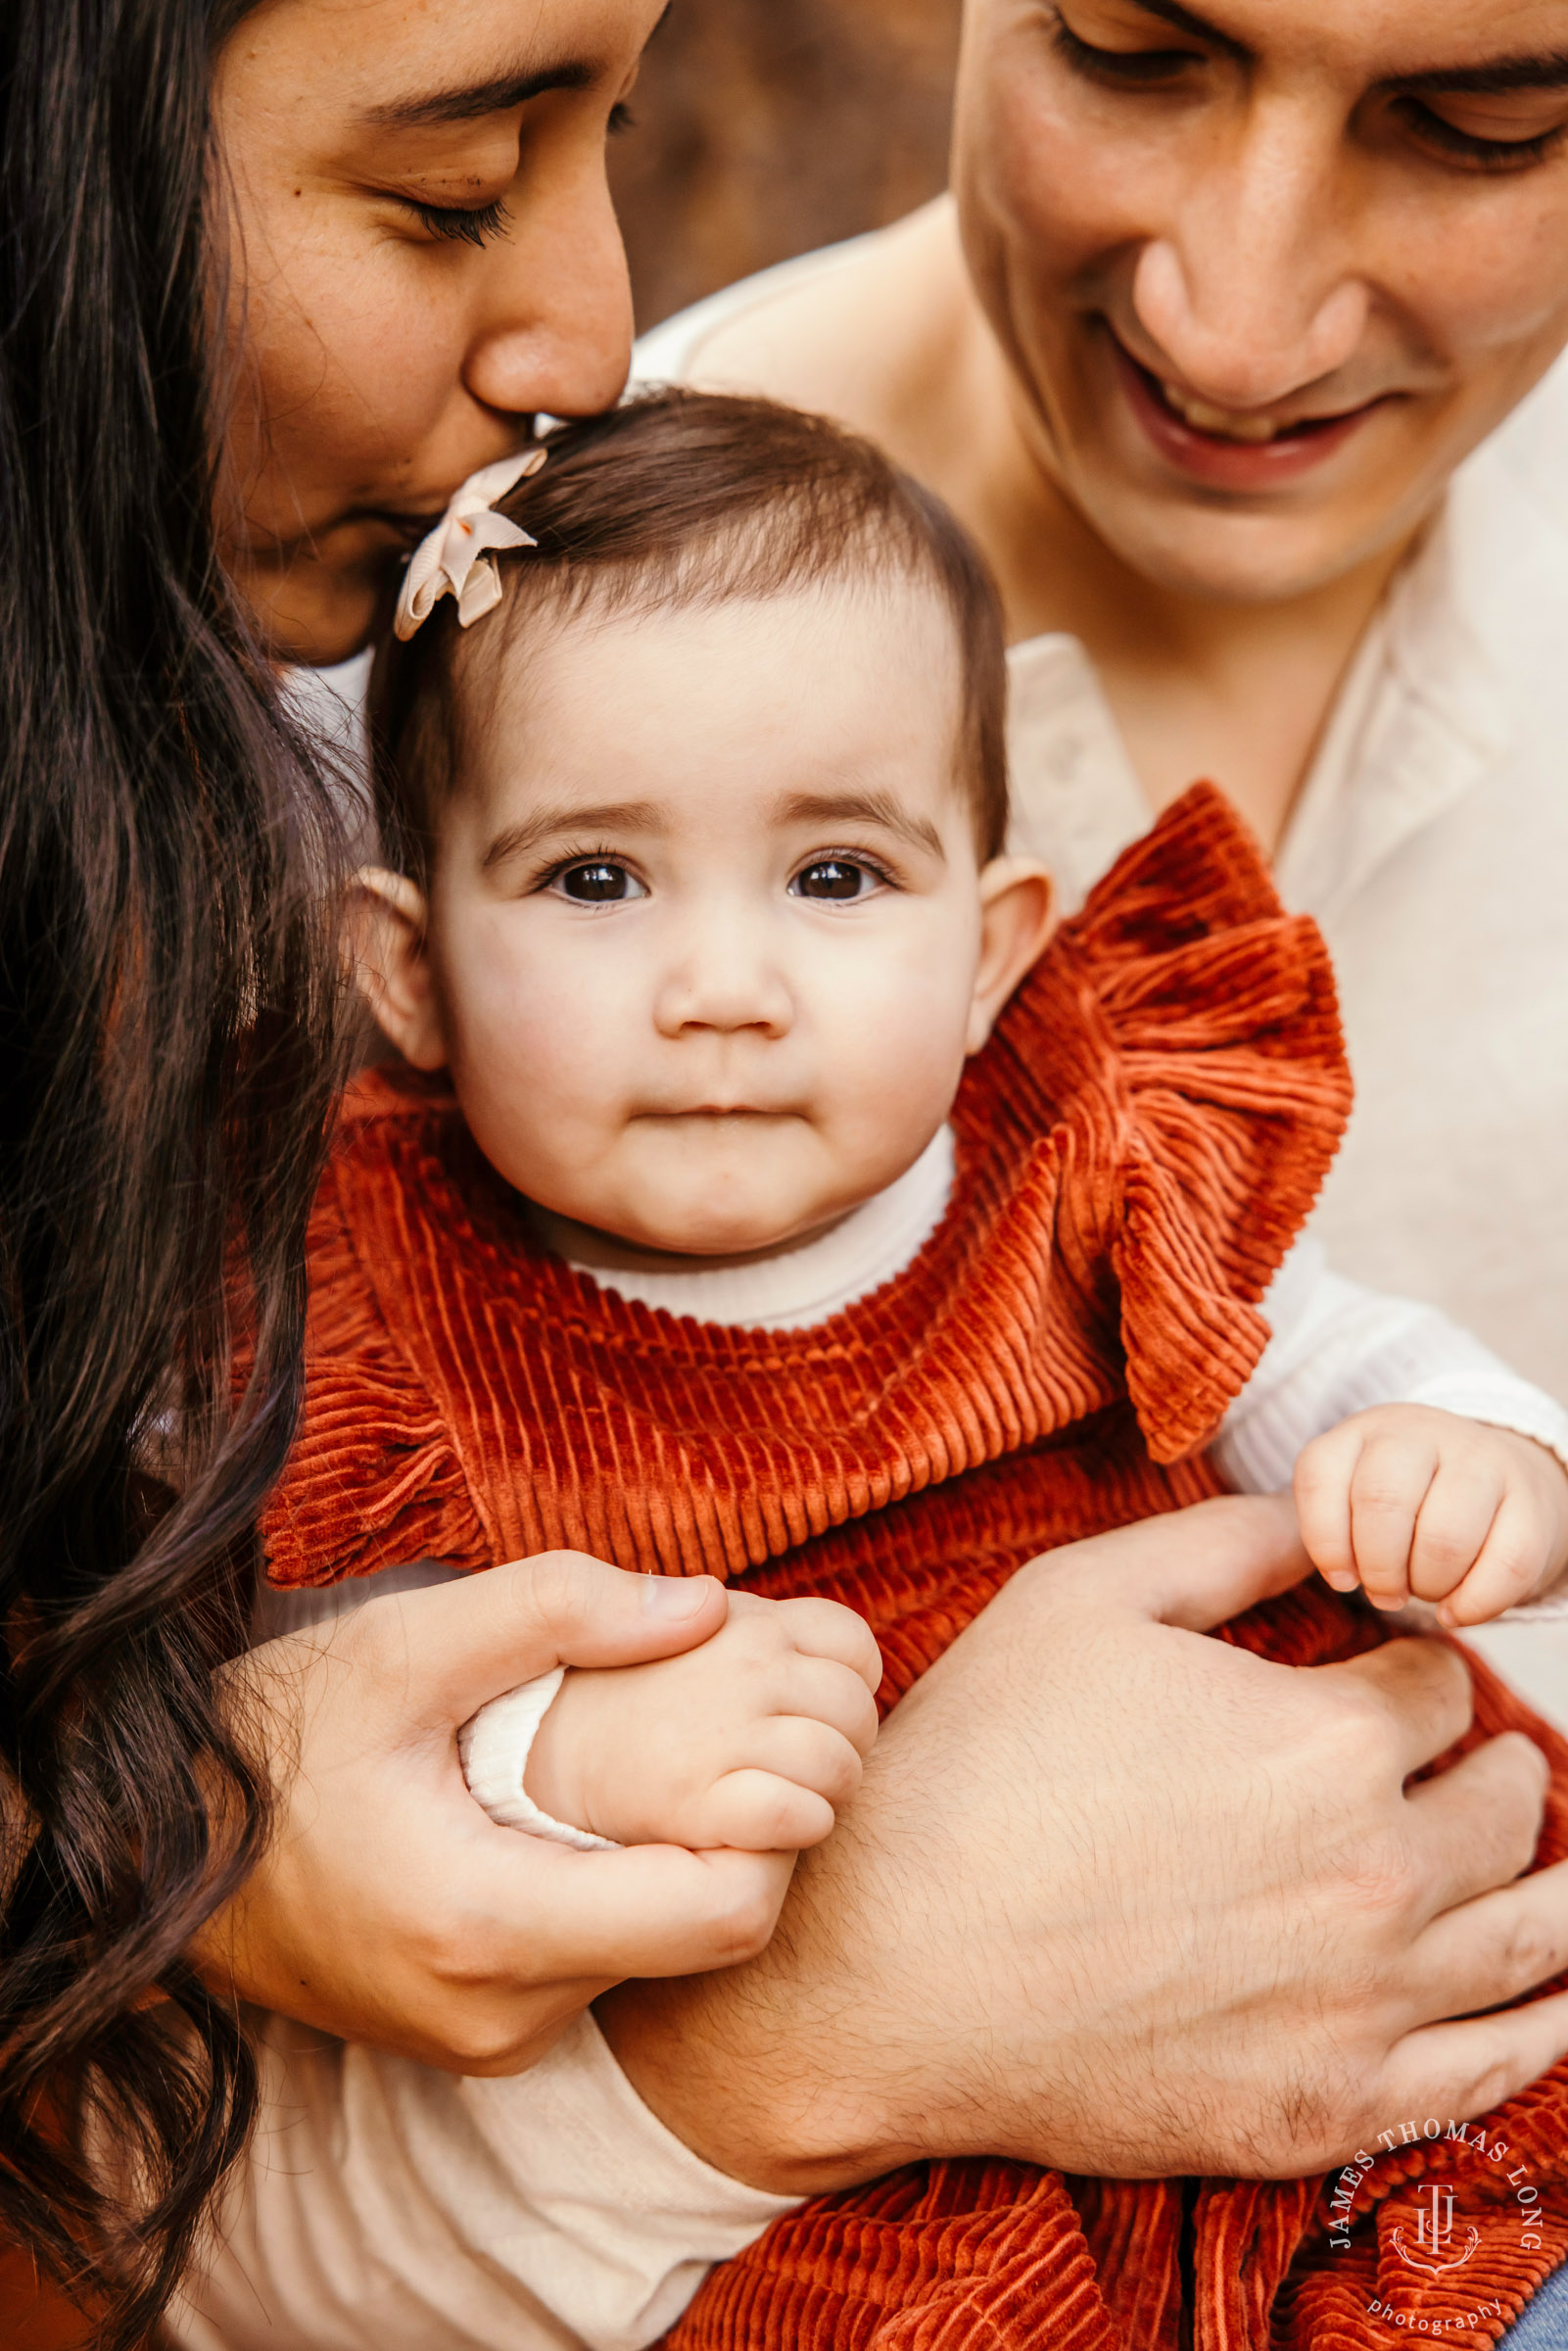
{"x": 1228, "y": 423}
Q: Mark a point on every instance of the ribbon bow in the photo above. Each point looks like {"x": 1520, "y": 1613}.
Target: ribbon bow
{"x": 459, "y": 557}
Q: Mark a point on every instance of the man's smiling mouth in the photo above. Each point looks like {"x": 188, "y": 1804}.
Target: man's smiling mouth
{"x": 1251, "y": 428}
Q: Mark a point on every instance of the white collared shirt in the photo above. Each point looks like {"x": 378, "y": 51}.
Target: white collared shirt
{"x": 1430, "y": 841}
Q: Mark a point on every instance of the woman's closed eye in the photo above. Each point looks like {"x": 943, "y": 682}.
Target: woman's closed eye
{"x": 469, "y": 224}
{"x": 838, "y": 880}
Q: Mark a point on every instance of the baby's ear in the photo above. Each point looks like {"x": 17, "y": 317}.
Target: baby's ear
{"x": 387, "y": 917}
{"x": 1017, "y": 917}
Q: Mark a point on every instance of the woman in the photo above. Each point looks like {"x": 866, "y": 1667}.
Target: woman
{"x": 401, "y": 220}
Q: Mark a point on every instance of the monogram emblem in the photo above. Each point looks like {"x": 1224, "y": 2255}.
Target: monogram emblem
{"x": 1434, "y": 2234}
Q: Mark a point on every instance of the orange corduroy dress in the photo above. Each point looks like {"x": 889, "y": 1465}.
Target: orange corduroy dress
{"x": 1136, "y": 1148}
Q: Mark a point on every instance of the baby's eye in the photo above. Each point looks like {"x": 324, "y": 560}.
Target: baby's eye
{"x": 597, "y": 881}
{"x": 835, "y": 878}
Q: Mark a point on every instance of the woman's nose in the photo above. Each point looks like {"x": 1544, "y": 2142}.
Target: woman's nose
{"x": 553, "y": 333}
{"x": 1251, "y": 295}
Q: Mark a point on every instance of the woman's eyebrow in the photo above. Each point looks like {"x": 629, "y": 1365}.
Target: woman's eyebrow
{"x": 468, "y": 104}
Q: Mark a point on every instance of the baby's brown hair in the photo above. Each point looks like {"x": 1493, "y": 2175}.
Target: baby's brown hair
{"x": 691, "y": 498}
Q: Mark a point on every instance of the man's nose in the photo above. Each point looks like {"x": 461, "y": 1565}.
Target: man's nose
{"x": 553, "y": 333}
{"x": 1252, "y": 293}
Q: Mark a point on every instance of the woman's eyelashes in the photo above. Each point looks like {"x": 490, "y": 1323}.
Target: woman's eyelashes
{"x": 470, "y": 225}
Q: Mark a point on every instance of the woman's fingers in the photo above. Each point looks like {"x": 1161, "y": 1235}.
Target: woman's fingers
{"x": 649, "y": 1911}
{"x": 472, "y": 1640}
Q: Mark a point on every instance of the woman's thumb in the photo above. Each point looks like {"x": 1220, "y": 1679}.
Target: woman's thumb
{"x": 472, "y": 1639}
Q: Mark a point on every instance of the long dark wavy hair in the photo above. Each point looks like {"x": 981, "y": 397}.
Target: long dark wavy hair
{"x": 169, "y": 1016}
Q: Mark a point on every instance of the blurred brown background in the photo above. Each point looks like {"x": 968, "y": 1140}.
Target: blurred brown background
{"x": 766, "y": 126}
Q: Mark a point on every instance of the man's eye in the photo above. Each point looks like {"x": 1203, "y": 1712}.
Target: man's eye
{"x": 834, "y": 878}
{"x": 597, "y": 881}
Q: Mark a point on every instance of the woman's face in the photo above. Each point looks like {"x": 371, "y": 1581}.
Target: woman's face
{"x": 423, "y": 256}
{"x": 1264, "y": 273}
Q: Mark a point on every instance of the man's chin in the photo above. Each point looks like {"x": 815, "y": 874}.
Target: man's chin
{"x": 1197, "y": 549}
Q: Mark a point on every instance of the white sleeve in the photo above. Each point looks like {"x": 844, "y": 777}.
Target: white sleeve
{"x": 1338, "y": 1348}
{"x": 383, "y": 2206}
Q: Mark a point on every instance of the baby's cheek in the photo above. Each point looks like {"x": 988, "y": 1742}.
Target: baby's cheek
{"x": 538, "y": 1061}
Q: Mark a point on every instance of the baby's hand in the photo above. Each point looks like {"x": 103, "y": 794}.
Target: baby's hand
{"x": 1412, "y": 1502}
{"x": 750, "y": 1741}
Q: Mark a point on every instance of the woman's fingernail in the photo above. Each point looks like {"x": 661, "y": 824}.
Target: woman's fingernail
{"x": 1341, "y": 1579}
{"x": 676, "y": 1596}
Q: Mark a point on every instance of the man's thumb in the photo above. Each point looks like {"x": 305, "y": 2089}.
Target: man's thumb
{"x": 1200, "y": 1566}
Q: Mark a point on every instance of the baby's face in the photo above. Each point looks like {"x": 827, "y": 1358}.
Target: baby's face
{"x": 707, "y": 942}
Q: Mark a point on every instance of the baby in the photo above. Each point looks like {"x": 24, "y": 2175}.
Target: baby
{"x": 792, "y": 1202}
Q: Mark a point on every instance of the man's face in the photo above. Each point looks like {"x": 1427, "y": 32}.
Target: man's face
{"x": 1264, "y": 273}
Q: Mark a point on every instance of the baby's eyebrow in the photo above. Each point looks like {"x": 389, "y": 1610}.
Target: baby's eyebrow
{"x": 860, "y": 808}
{"x": 605, "y": 816}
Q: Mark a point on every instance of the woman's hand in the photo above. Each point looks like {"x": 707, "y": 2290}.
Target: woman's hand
{"x": 1120, "y": 1898}
{"x": 388, "y": 1908}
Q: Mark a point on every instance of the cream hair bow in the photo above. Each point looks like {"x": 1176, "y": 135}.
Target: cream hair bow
{"x": 459, "y": 557}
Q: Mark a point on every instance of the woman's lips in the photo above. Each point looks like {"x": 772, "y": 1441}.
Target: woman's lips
{"x": 1219, "y": 460}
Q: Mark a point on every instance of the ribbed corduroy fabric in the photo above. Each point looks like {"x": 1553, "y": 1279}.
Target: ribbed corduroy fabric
{"x": 1136, "y": 1148}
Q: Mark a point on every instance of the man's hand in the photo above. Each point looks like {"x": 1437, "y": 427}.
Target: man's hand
{"x": 387, "y": 1907}
{"x": 1122, "y": 1899}
{"x": 1412, "y": 1502}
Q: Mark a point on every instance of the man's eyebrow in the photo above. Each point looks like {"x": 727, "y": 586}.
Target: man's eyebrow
{"x": 1171, "y": 12}
{"x": 609, "y": 816}
{"x": 473, "y": 100}
{"x": 1548, "y": 71}
{"x": 861, "y": 809}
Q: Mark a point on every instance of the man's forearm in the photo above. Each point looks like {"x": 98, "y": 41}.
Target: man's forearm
{"x": 786, "y": 2073}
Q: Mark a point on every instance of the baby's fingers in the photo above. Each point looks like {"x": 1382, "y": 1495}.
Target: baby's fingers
{"x": 1321, "y": 1491}
{"x": 1454, "y": 1524}
{"x": 820, "y": 1628}
{"x": 761, "y": 1812}
{"x": 1388, "y": 1487}
{"x": 829, "y": 1694}
{"x": 1510, "y": 1569}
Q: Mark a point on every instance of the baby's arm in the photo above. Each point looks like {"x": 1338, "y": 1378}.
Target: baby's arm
{"x": 750, "y": 1741}
{"x": 1420, "y": 1463}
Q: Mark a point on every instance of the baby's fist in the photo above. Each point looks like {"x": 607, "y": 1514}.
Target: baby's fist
{"x": 1413, "y": 1502}
{"x": 750, "y": 1741}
